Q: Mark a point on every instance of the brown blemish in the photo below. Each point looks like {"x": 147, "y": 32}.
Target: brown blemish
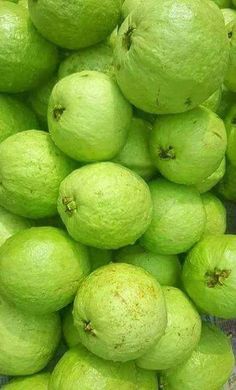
{"x": 127, "y": 38}
{"x": 216, "y": 277}
{"x": 57, "y": 112}
{"x": 70, "y": 205}
{"x": 167, "y": 153}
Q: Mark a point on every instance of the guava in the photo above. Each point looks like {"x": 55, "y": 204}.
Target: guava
{"x": 70, "y": 332}
{"x": 230, "y": 23}
{"x": 11, "y": 224}
{"x": 215, "y": 214}
{"x": 31, "y": 170}
{"x": 28, "y": 342}
{"x": 27, "y": 59}
{"x": 99, "y": 257}
{"x": 135, "y": 154}
{"x": 227, "y": 186}
{"x": 178, "y": 219}
{"x": 227, "y": 100}
{"x": 40, "y": 269}
{"x": 213, "y": 102}
{"x": 230, "y": 124}
{"x": 98, "y": 58}
{"x": 119, "y": 312}
{"x": 209, "y": 275}
{"x": 34, "y": 382}
{"x": 79, "y": 369}
{"x": 128, "y": 6}
{"x": 105, "y": 205}
{"x": 210, "y": 182}
{"x": 209, "y": 366}
{"x": 77, "y": 24}
{"x": 166, "y": 269}
{"x": 165, "y": 54}
{"x": 88, "y": 117}
{"x": 181, "y": 336}
{"x": 188, "y": 147}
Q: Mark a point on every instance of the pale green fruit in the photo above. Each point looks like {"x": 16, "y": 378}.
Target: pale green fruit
{"x": 230, "y": 23}
{"x": 158, "y": 67}
{"x": 74, "y": 25}
{"x": 119, "y": 312}
{"x": 227, "y": 186}
{"x": 188, "y": 147}
{"x": 31, "y": 170}
{"x": 105, "y": 205}
{"x": 98, "y": 58}
{"x": 209, "y": 366}
{"x": 79, "y": 369}
{"x": 99, "y": 257}
{"x": 181, "y": 336}
{"x": 178, "y": 218}
{"x": 229, "y": 18}
{"x": 209, "y": 275}
{"x": 166, "y": 269}
{"x": 135, "y": 154}
{"x": 111, "y": 40}
{"x": 213, "y": 102}
{"x": 230, "y": 124}
{"x": 28, "y": 342}
{"x": 215, "y": 215}
{"x": 34, "y": 382}
{"x": 210, "y": 182}
{"x": 40, "y": 269}
{"x": 11, "y": 224}
{"x": 88, "y": 117}
{"x": 128, "y": 6}
{"x": 70, "y": 333}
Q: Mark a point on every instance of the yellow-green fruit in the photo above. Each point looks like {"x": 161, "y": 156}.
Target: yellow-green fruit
{"x": 11, "y": 224}
{"x": 230, "y": 23}
{"x": 215, "y": 215}
{"x": 210, "y": 182}
{"x": 213, "y": 102}
{"x": 70, "y": 333}
{"x": 34, "y": 382}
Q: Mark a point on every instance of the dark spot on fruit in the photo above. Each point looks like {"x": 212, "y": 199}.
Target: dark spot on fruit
{"x": 194, "y": 122}
{"x": 70, "y": 205}
{"x": 217, "y": 135}
{"x": 230, "y": 34}
{"x": 216, "y": 277}
{"x": 188, "y": 102}
{"x": 88, "y": 328}
{"x": 127, "y": 38}
{"x": 167, "y": 153}
{"x": 57, "y": 112}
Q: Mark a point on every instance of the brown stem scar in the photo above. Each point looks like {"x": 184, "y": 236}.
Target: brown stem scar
{"x": 216, "y": 277}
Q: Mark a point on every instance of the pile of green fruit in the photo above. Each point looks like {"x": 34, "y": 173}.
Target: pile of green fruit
{"x": 117, "y": 149}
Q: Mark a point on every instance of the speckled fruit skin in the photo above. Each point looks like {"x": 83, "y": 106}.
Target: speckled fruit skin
{"x": 28, "y": 342}
{"x": 209, "y": 275}
{"x": 31, "y": 170}
{"x": 27, "y": 59}
{"x": 209, "y": 366}
{"x": 11, "y": 224}
{"x": 181, "y": 336}
{"x": 178, "y": 218}
{"x": 119, "y": 312}
{"x": 79, "y": 369}
{"x": 40, "y": 269}
{"x": 70, "y": 332}
{"x": 187, "y": 148}
{"x": 77, "y": 24}
{"x": 105, "y": 205}
{"x": 165, "y": 54}
{"x": 34, "y": 382}
{"x": 215, "y": 214}
{"x": 227, "y": 186}
{"x": 88, "y": 117}
{"x": 211, "y": 181}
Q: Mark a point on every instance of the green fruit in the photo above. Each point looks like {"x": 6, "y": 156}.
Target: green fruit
{"x": 165, "y": 269}
{"x": 28, "y": 342}
{"x": 146, "y": 116}
{"x": 11, "y": 224}
{"x": 119, "y": 312}
{"x": 209, "y": 366}
{"x": 181, "y": 336}
{"x": 209, "y": 275}
{"x": 210, "y": 182}
{"x": 178, "y": 218}
{"x": 99, "y": 257}
{"x": 215, "y": 215}
{"x": 29, "y": 183}
{"x": 88, "y": 117}
{"x": 79, "y": 369}
{"x": 97, "y": 58}
{"x": 135, "y": 154}
{"x": 223, "y": 3}
{"x": 27, "y": 59}
{"x": 213, "y": 102}
{"x": 230, "y": 124}
{"x": 227, "y": 100}
{"x": 34, "y": 382}
{"x": 227, "y": 186}
{"x": 76, "y": 24}
{"x": 105, "y": 205}
{"x": 165, "y": 54}
{"x": 70, "y": 333}
{"x": 188, "y": 147}
{"x": 128, "y": 6}
{"x": 230, "y": 23}
{"x": 40, "y": 269}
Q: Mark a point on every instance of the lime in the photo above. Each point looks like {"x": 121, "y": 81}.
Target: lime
{"x": 70, "y": 333}
{"x": 34, "y": 382}
{"x": 210, "y": 182}
{"x": 11, "y": 224}
{"x": 215, "y": 214}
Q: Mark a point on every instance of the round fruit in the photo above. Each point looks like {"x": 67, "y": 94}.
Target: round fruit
{"x": 210, "y": 182}
{"x": 178, "y": 218}
{"x": 119, "y": 312}
{"x": 29, "y": 183}
{"x": 181, "y": 336}
{"x": 99, "y": 257}
{"x": 170, "y": 66}
{"x": 209, "y": 275}
{"x": 230, "y": 23}
{"x": 215, "y": 215}
{"x": 128, "y": 6}
{"x": 11, "y": 224}
{"x": 213, "y": 102}
{"x": 105, "y": 205}
{"x": 227, "y": 186}
{"x": 70, "y": 332}
{"x": 188, "y": 147}
{"x": 34, "y": 382}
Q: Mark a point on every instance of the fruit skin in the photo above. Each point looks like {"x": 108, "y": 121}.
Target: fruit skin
{"x": 209, "y": 275}
{"x": 215, "y": 215}
{"x": 34, "y": 382}
{"x": 223, "y": 3}
{"x": 209, "y": 366}
{"x": 119, "y": 312}
{"x": 230, "y": 124}
{"x": 210, "y": 182}
{"x": 128, "y": 6}
{"x": 227, "y": 186}
{"x": 70, "y": 333}
{"x": 165, "y": 269}
{"x": 105, "y": 205}
{"x": 27, "y": 59}
{"x": 213, "y": 102}
{"x": 30, "y": 183}
{"x": 99, "y": 257}
{"x": 79, "y": 369}
{"x": 88, "y": 117}
{"x": 178, "y": 218}
{"x": 40, "y": 269}
{"x": 76, "y": 24}
{"x": 181, "y": 336}
{"x": 11, "y": 224}
{"x": 158, "y": 68}
{"x": 28, "y": 342}
{"x": 187, "y": 148}
{"x": 230, "y": 23}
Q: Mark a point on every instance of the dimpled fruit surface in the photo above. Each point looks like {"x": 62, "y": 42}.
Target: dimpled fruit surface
{"x": 119, "y": 312}
{"x": 34, "y": 382}
{"x": 11, "y": 224}
{"x": 79, "y": 369}
{"x": 105, "y": 205}
{"x": 215, "y": 215}
{"x": 165, "y": 54}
